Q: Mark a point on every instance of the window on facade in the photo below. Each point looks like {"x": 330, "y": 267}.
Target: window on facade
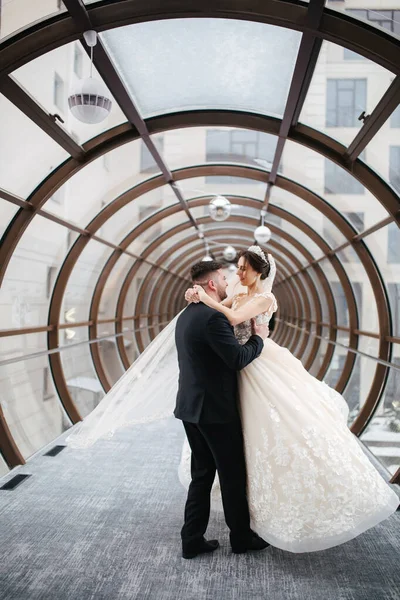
{"x": 147, "y": 162}
{"x": 388, "y": 19}
{"x": 395, "y": 118}
{"x": 393, "y": 252}
{"x": 58, "y": 92}
{"x": 239, "y": 145}
{"x": 345, "y": 101}
{"x": 78, "y": 61}
{"x": 338, "y": 181}
{"x": 394, "y": 167}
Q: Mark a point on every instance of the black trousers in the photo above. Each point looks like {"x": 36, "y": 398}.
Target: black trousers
{"x": 216, "y": 447}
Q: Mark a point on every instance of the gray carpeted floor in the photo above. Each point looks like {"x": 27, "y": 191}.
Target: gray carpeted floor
{"x": 104, "y": 524}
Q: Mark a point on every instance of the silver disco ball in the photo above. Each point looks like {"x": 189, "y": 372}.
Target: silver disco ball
{"x": 262, "y": 234}
{"x": 220, "y": 208}
{"x": 229, "y": 253}
{"x": 90, "y": 101}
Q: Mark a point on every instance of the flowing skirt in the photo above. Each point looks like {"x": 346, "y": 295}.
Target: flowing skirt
{"x": 310, "y": 485}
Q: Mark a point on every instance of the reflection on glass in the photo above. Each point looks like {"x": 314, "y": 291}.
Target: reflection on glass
{"x": 109, "y": 354}
{"x": 17, "y": 14}
{"x": 83, "y": 384}
{"x": 131, "y": 215}
{"x": 384, "y": 245}
{"x": 31, "y": 273}
{"x": 7, "y": 212}
{"x": 205, "y": 63}
{"x": 359, "y": 385}
{"x": 382, "y": 435}
{"x": 30, "y": 404}
{"x": 37, "y": 153}
{"x": 337, "y": 363}
{"x": 97, "y": 184}
{"x": 82, "y": 281}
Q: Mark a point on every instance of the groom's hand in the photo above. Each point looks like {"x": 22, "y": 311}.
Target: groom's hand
{"x": 261, "y": 330}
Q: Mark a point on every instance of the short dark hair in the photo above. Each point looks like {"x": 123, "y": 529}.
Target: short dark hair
{"x": 203, "y": 270}
{"x": 255, "y": 261}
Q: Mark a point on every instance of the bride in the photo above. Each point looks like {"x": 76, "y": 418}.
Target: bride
{"x": 310, "y": 485}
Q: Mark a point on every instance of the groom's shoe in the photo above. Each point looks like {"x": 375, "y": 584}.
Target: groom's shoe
{"x": 205, "y": 546}
{"x": 253, "y": 543}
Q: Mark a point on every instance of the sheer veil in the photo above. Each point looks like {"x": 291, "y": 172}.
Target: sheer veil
{"x": 146, "y": 392}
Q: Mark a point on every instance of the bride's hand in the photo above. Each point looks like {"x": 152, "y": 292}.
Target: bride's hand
{"x": 201, "y": 294}
{"x": 191, "y": 296}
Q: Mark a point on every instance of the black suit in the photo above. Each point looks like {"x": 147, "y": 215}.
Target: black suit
{"x": 207, "y": 402}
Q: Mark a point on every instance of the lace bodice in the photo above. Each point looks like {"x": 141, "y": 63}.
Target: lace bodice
{"x": 243, "y": 330}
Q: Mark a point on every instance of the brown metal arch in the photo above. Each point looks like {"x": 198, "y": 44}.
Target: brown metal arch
{"x": 242, "y": 220}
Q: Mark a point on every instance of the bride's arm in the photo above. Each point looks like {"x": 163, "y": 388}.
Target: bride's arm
{"x": 192, "y": 296}
{"x": 248, "y": 311}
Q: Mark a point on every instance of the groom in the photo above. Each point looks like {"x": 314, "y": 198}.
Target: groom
{"x": 207, "y": 402}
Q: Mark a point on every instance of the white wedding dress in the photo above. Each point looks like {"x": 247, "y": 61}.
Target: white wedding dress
{"x": 310, "y": 485}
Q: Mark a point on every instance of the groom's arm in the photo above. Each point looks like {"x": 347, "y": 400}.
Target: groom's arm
{"x": 222, "y": 340}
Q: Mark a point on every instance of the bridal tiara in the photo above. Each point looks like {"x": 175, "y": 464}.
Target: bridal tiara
{"x": 257, "y": 250}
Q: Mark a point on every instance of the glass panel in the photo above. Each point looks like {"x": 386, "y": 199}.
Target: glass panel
{"x": 16, "y": 346}
{"x": 31, "y": 406}
{"x": 53, "y": 77}
{"x": 382, "y": 435}
{"x": 359, "y": 385}
{"x": 128, "y": 218}
{"x": 342, "y": 311}
{"x": 72, "y": 335}
{"x": 98, "y": 183}
{"x": 336, "y": 366}
{"x": 238, "y": 186}
{"x": 3, "y": 467}
{"x": 109, "y": 354}
{"x": 31, "y": 273}
{"x": 37, "y": 153}
{"x": 112, "y": 288}
{"x": 81, "y": 284}
{"x": 310, "y": 215}
{"x": 81, "y": 378}
{"x": 388, "y": 20}
{"x": 197, "y": 145}
{"x": 384, "y": 156}
{"x": 362, "y": 288}
{"x": 334, "y": 184}
{"x": 152, "y": 233}
{"x": 343, "y": 86}
{"x": 131, "y": 297}
{"x": 7, "y": 212}
{"x": 384, "y": 245}
{"x": 205, "y": 63}
{"x": 16, "y": 14}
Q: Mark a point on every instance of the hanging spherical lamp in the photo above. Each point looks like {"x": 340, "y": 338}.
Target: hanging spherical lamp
{"x": 220, "y": 208}
{"x": 229, "y": 253}
{"x": 262, "y": 234}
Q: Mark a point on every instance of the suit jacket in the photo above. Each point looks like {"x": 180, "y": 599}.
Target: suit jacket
{"x": 209, "y": 356}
